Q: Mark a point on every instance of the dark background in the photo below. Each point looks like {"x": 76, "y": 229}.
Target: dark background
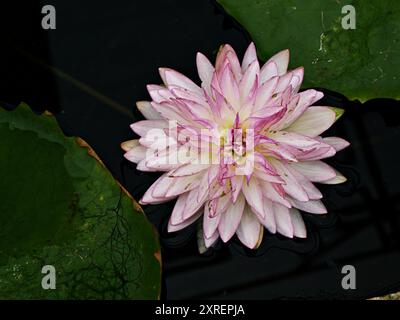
{"x": 96, "y": 64}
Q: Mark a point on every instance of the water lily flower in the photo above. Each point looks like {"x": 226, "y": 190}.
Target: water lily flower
{"x": 258, "y": 140}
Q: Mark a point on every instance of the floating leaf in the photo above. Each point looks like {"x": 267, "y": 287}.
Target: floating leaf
{"x": 61, "y": 207}
{"x": 362, "y": 63}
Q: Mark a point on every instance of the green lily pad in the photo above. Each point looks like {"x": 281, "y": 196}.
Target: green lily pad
{"x": 361, "y": 63}
{"x": 61, "y": 207}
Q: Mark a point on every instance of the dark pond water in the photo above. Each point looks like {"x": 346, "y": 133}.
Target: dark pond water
{"x": 116, "y": 49}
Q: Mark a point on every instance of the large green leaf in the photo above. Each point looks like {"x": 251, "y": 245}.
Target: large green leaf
{"x": 361, "y": 63}
{"x": 60, "y": 206}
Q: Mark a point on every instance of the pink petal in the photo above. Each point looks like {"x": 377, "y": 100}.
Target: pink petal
{"x": 283, "y": 220}
{"x": 254, "y": 197}
{"x": 249, "y": 82}
{"x": 269, "y": 220}
{"x": 299, "y": 228}
{"x": 337, "y": 143}
{"x": 282, "y": 61}
{"x": 263, "y": 174}
{"x": 234, "y": 64}
{"x": 321, "y": 151}
{"x": 294, "y": 139}
{"x": 179, "y": 209}
{"x": 148, "y": 197}
{"x": 277, "y": 151}
{"x": 173, "y": 113}
{"x": 284, "y": 82}
{"x": 174, "y": 78}
{"x": 128, "y": 145}
{"x": 229, "y": 87}
{"x": 141, "y": 166}
{"x": 311, "y": 206}
{"x": 143, "y": 127}
{"x": 159, "y": 93}
{"x": 208, "y": 242}
{"x": 270, "y": 193}
{"x": 306, "y": 98}
{"x": 265, "y": 92}
{"x": 292, "y": 187}
{"x": 249, "y": 57}
{"x": 312, "y": 192}
{"x": 193, "y": 203}
{"x": 231, "y": 218}
{"x": 205, "y": 70}
{"x": 297, "y": 79}
{"x": 339, "y": 178}
{"x": 227, "y": 55}
{"x": 313, "y": 121}
{"x": 315, "y": 171}
{"x": 184, "y": 184}
{"x": 136, "y": 152}
{"x": 236, "y": 183}
{"x": 249, "y": 229}
{"x": 184, "y": 94}
{"x": 162, "y": 185}
{"x": 268, "y": 71}
{"x": 188, "y": 170}
{"x": 210, "y": 224}
{"x": 184, "y": 224}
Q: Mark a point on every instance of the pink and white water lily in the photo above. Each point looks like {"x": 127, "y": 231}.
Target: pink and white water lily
{"x": 241, "y": 151}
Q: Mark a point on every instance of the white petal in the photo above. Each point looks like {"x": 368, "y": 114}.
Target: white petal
{"x": 283, "y": 220}
{"x": 128, "y": 145}
{"x": 231, "y": 218}
{"x": 312, "y": 192}
{"x": 136, "y": 153}
{"x": 311, "y": 206}
{"x": 183, "y": 184}
{"x": 339, "y": 178}
{"x": 315, "y": 171}
{"x": 148, "y": 197}
{"x": 179, "y": 208}
{"x": 148, "y": 111}
{"x": 210, "y": 224}
{"x": 294, "y": 139}
{"x": 193, "y": 203}
{"x": 282, "y": 61}
{"x": 155, "y": 126}
{"x": 249, "y": 57}
{"x": 337, "y": 143}
{"x": 313, "y": 121}
{"x": 184, "y": 224}
{"x": 270, "y": 193}
{"x": 269, "y": 220}
{"x": 174, "y": 78}
{"x": 254, "y": 197}
{"x": 249, "y": 81}
{"x": 299, "y": 227}
{"x": 249, "y": 229}
{"x": 188, "y": 170}
{"x": 265, "y": 92}
{"x": 208, "y": 242}
{"x": 292, "y": 187}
